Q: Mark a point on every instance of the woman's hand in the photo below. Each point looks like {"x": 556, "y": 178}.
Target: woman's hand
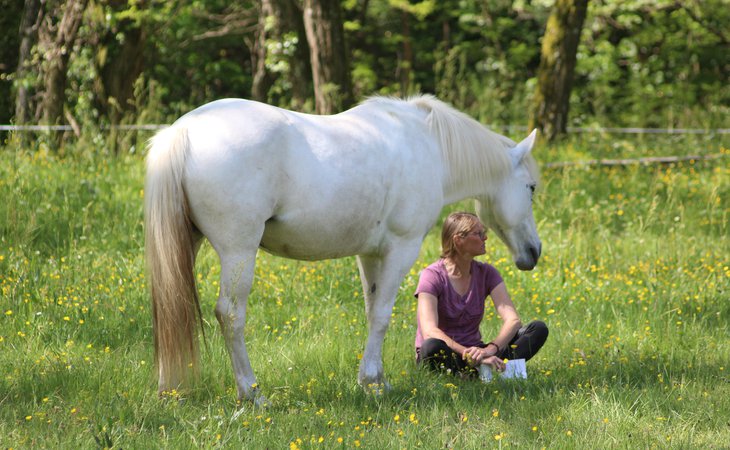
{"x": 495, "y": 363}
{"x": 478, "y": 355}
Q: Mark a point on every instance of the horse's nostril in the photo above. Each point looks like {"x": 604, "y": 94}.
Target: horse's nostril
{"x": 535, "y": 251}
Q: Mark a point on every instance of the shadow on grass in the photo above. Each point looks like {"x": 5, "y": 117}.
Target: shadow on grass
{"x": 624, "y": 378}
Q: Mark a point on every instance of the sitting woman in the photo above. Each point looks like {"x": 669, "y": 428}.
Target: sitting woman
{"x": 451, "y": 294}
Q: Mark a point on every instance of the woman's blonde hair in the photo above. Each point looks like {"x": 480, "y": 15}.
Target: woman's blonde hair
{"x": 456, "y": 224}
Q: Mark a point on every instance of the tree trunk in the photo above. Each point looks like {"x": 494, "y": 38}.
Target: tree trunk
{"x": 10, "y": 20}
{"x": 29, "y": 24}
{"x": 119, "y": 65}
{"x": 289, "y": 15}
{"x": 557, "y": 66}
{"x": 280, "y": 21}
{"x": 56, "y": 44}
{"x": 330, "y": 68}
{"x": 262, "y": 78}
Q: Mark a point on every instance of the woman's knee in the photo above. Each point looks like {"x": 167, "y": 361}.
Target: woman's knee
{"x": 537, "y": 329}
{"x": 533, "y": 338}
{"x": 433, "y": 347}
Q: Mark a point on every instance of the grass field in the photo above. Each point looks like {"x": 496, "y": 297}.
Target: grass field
{"x": 634, "y": 284}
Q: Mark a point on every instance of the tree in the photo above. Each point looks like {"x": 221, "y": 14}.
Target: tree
{"x": 654, "y": 64}
{"x": 204, "y": 52}
{"x": 117, "y": 31}
{"x": 557, "y": 67}
{"x": 56, "y": 42}
{"x": 119, "y": 58}
{"x": 262, "y": 78}
{"x": 29, "y": 24}
{"x": 330, "y": 65}
{"x": 282, "y": 71}
{"x": 639, "y": 63}
{"x": 294, "y": 50}
{"x": 9, "y": 44}
{"x": 406, "y": 56}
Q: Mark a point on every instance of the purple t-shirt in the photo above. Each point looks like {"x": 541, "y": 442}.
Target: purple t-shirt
{"x": 458, "y": 316}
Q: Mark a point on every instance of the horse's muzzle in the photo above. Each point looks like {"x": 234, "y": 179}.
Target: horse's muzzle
{"x": 529, "y": 257}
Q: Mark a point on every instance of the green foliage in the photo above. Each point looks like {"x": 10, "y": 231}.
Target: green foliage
{"x": 640, "y": 63}
{"x": 186, "y": 62}
{"x": 195, "y": 67}
{"x": 653, "y": 64}
{"x": 633, "y": 284}
{"x": 477, "y": 55}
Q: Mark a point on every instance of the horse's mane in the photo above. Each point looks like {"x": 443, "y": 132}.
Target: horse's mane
{"x": 471, "y": 150}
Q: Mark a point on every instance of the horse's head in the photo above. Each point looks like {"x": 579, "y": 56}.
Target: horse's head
{"x": 507, "y": 210}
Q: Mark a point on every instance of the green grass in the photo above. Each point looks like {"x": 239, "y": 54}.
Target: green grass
{"x": 634, "y": 284}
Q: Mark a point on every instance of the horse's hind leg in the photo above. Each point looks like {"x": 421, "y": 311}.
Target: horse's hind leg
{"x": 237, "y": 272}
{"x": 381, "y": 277}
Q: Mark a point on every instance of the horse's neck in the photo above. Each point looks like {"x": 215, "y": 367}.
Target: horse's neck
{"x": 459, "y": 186}
{"x": 454, "y": 193}
{"x": 474, "y": 165}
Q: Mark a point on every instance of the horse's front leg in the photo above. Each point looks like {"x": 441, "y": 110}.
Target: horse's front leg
{"x": 381, "y": 277}
{"x": 236, "y": 281}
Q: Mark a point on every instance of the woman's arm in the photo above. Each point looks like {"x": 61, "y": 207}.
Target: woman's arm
{"x": 510, "y": 320}
{"x": 428, "y": 317}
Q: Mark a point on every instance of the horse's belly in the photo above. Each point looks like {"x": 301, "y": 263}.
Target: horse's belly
{"x": 320, "y": 242}
{"x": 302, "y": 253}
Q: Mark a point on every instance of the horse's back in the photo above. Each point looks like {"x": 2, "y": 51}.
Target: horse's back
{"x": 232, "y": 123}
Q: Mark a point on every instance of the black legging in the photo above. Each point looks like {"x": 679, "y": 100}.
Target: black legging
{"x": 526, "y": 343}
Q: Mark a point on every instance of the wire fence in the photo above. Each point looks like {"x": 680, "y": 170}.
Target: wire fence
{"x": 631, "y": 161}
{"x": 551, "y": 165}
{"x": 144, "y": 127}
{"x": 610, "y": 130}
{"x": 629, "y": 130}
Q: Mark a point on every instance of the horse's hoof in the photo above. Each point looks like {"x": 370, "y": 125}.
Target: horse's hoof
{"x": 376, "y": 388}
{"x": 261, "y": 402}
{"x": 254, "y": 397}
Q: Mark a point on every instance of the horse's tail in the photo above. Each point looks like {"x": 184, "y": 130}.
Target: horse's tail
{"x": 170, "y": 250}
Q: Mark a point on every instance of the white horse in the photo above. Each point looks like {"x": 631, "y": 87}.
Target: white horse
{"x": 370, "y": 182}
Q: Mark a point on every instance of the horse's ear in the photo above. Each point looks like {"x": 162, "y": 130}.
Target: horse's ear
{"x": 522, "y": 149}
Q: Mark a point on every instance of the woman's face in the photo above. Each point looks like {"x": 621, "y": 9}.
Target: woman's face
{"x": 472, "y": 243}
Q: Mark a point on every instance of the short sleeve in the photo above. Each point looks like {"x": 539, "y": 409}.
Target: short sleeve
{"x": 492, "y": 278}
{"x": 430, "y": 282}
